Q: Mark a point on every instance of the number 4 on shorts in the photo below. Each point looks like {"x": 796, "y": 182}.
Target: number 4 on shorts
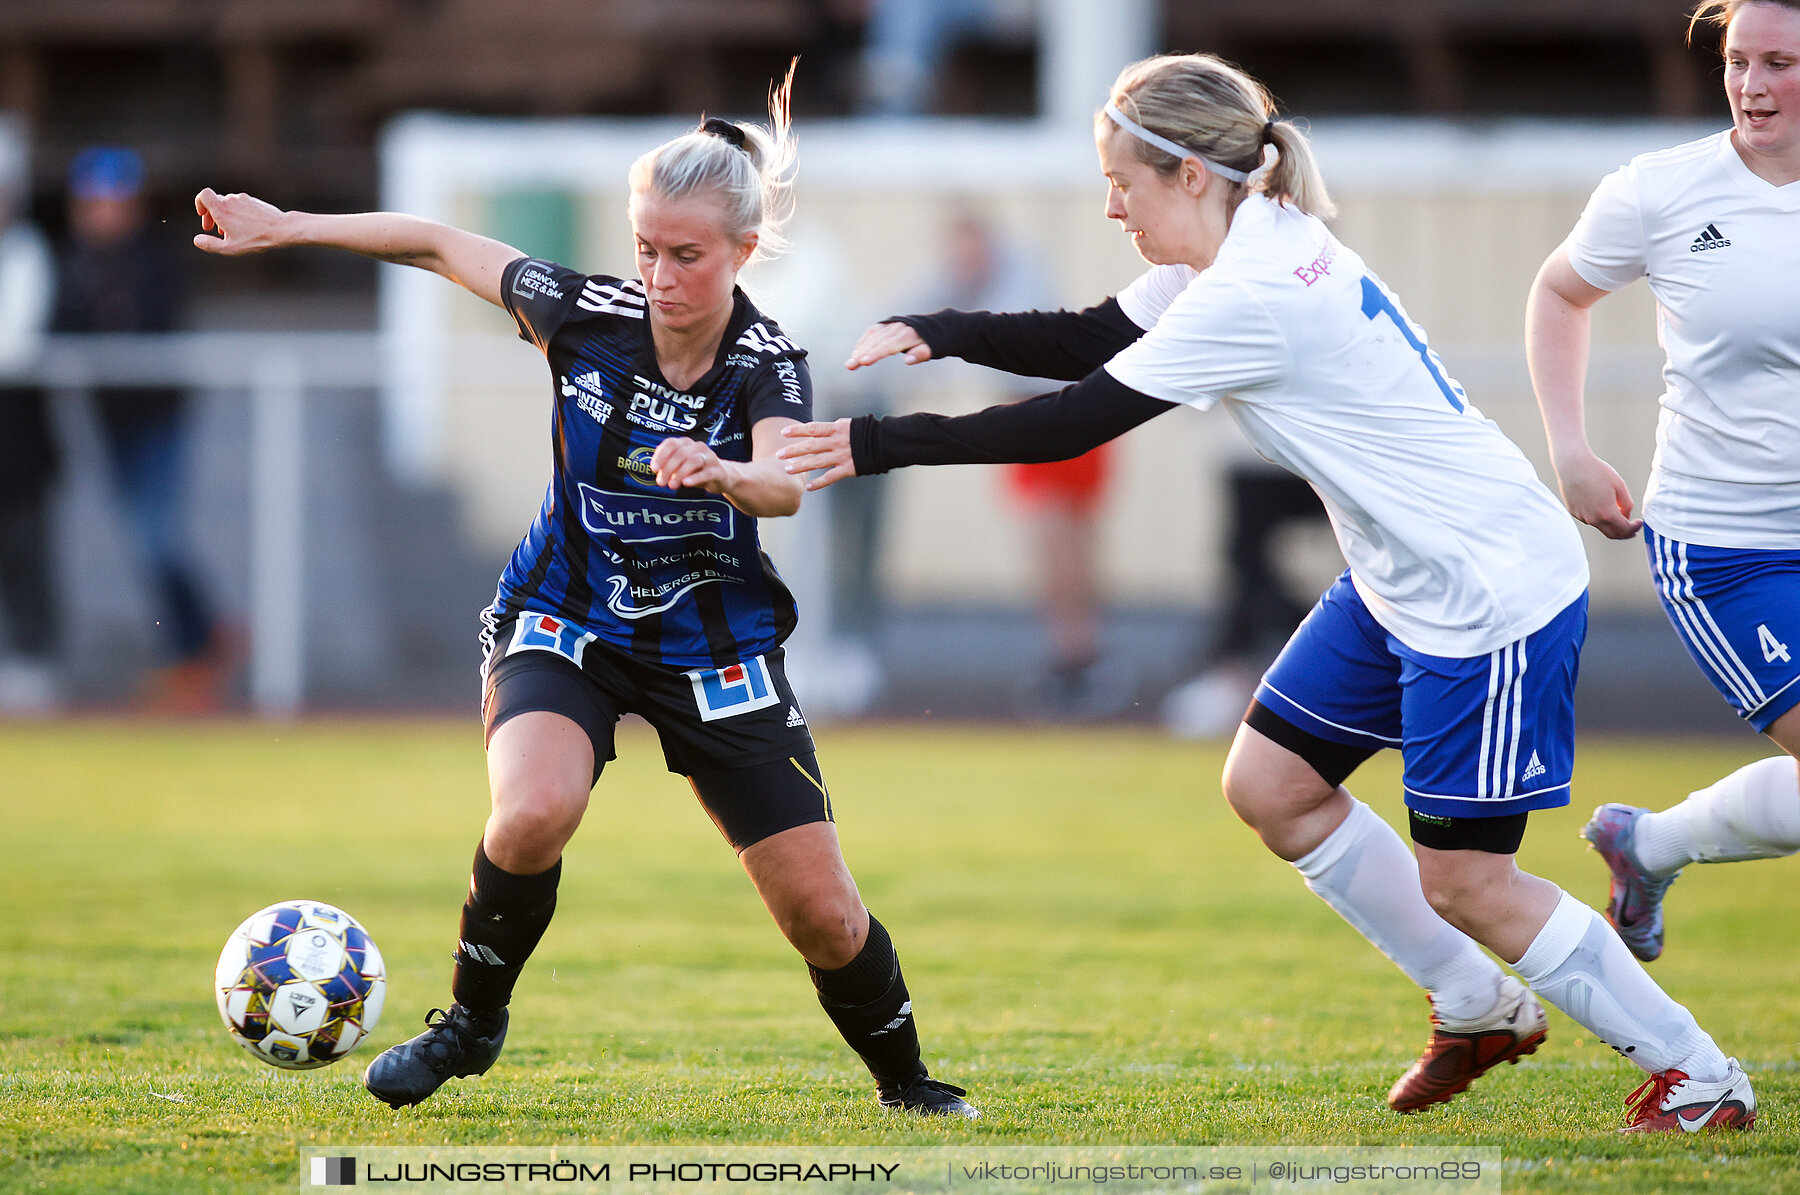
{"x": 1772, "y": 648}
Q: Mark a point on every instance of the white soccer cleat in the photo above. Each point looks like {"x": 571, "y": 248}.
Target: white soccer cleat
{"x": 1671, "y": 1102}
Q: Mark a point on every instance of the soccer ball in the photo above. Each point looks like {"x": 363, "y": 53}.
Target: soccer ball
{"x": 299, "y": 984}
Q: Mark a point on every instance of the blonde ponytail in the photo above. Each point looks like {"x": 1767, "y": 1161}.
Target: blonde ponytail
{"x": 1294, "y": 177}
{"x": 1223, "y": 115}
{"x": 749, "y": 167}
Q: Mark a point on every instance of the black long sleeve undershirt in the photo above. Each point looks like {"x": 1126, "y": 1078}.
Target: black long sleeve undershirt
{"x": 1066, "y": 345}
{"x": 1050, "y": 427}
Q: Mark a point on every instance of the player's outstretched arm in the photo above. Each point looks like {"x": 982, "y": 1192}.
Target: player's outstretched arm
{"x": 1066, "y": 345}
{"x": 819, "y": 448}
{"x": 236, "y": 225}
{"x": 1050, "y": 427}
{"x": 760, "y": 487}
{"x": 885, "y": 340}
{"x": 1557, "y": 336}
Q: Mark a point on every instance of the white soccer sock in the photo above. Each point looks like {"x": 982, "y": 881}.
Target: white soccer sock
{"x": 1578, "y": 963}
{"x": 1364, "y": 871}
{"x": 1754, "y": 813}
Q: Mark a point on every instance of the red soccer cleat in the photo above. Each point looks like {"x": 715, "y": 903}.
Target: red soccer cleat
{"x": 1453, "y": 1059}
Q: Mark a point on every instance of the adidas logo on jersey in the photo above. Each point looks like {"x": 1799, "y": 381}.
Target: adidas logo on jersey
{"x": 758, "y": 339}
{"x": 794, "y": 718}
{"x": 612, "y": 298}
{"x": 1710, "y": 238}
{"x": 1534, "y": 767}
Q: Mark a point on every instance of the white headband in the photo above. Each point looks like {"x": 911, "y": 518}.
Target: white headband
{"x": 1175, "y": 148}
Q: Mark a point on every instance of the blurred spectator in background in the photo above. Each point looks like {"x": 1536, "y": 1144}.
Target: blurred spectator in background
{"x": 909, "y": 42}
{"x": 115, "y": 276}
{"x": 29, "y": 681}
{"x": 810, "y": 285}
{"x": 858, "y": 601}
{"x": 1061, "y": 499}
{"x": 1259, "y": 611}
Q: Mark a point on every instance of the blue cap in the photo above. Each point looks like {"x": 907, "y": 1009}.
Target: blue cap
{"x": 106, "y": 172}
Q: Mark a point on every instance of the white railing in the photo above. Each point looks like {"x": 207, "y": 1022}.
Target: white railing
{"x": 277, "y": 369}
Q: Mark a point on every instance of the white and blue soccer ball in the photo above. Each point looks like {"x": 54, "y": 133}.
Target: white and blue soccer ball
{"x": 299, "y": 984}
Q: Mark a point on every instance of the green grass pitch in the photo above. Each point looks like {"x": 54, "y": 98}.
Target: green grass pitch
{"x": 1096, "y": 948}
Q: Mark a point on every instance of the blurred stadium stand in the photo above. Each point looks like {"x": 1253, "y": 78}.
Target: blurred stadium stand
{"x": 1588, "y": 58}
{"x": 290, "y": 98}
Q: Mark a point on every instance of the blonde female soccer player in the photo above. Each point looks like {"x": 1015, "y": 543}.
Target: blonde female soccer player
{"x": 1453, "y": 635}
{"x": 1715, "y": 226}
{"x": 641, "y": 586}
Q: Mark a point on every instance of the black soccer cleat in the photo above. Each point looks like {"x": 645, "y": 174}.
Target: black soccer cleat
{"x": 927, "y": 1097}
{"x": 459, "y": 1044}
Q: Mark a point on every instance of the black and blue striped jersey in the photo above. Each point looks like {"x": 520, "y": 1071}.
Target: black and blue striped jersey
{"x": 674, "y": 577}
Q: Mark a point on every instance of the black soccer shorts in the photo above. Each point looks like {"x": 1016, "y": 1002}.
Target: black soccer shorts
{"x": 736, "y": 732}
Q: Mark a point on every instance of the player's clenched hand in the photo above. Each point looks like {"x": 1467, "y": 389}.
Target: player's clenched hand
{"x": 818, "y": 446}
{"x": 884, "y": 340}
{"x": 681, "y": 463}
{"x": 1596, "y": 494}
{"x": 237, "y": 224}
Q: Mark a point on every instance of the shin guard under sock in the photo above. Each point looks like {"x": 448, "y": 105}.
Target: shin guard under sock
{"x": 1578, "y": 963}
{"x": 503, "y": 919}
{"x": 1364, "y": 871}
{"x": 867, "y": 1000}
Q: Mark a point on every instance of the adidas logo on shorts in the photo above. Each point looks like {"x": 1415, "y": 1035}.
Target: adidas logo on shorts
{"x": 1534, "y": 768}
{"x": 1710, "y": 238}
{"x": 794, "y": 718}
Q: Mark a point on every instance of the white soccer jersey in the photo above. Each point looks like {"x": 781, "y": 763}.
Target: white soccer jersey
{"x": 1453, "y": 542}
{"x": 1721, "y": 248}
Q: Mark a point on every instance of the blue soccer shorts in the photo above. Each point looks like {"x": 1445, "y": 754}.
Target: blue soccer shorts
{"x": 1737, "y": 610}
{"x": 1487, "y": 736}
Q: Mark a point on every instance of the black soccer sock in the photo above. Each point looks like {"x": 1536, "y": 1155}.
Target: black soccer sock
{"x": 502, "y": 921}
{"x": 867, "y": 1000}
